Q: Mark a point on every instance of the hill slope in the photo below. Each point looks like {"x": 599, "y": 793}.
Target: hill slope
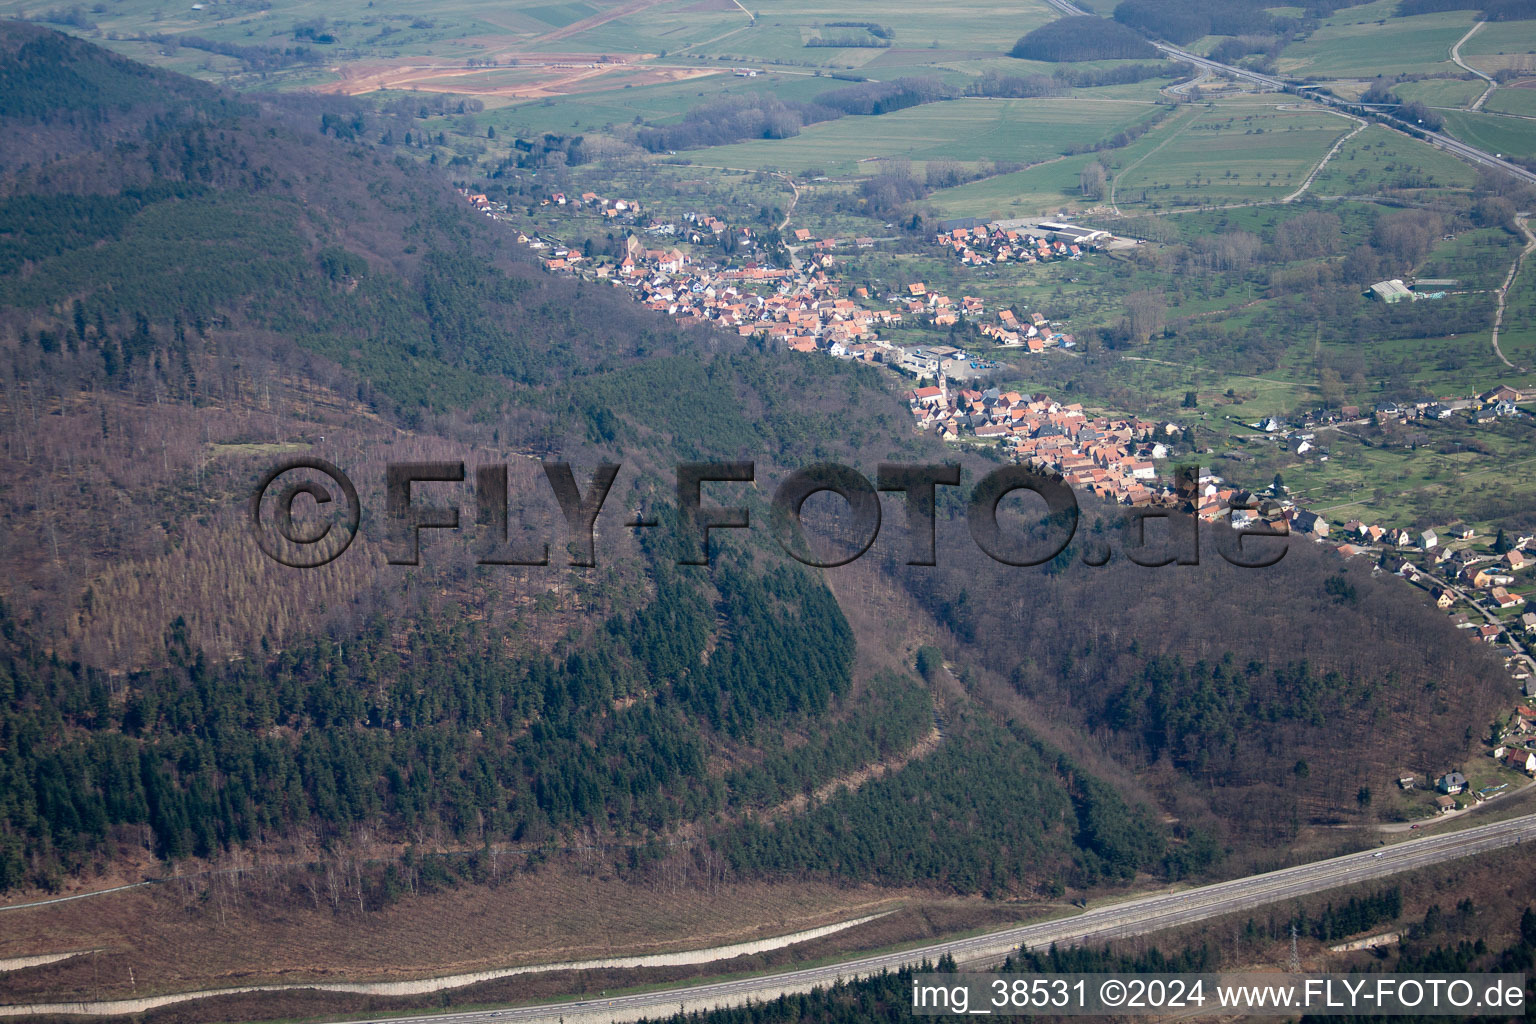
{"x": 194, "y": 285}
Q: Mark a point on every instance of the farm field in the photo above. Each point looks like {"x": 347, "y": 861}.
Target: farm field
{"x": 1479, "y": 259}
{"x": 668, "y": 27}
{"x": 1234, "y": 151}
{"x": 1401, "y": 483}
{"x": 367, "y": 31}
{"x": 1501, "y": 38}
{"x": 1379, "y": 158}
{"x": 1045, "y": 188}
{"x": 1519, "y": 101}
{"x": 1347, "y": 47}
{"x": 1441, "y": 92}
{"x": 1026, "y": 131}
{"x": 356, "y": 32}
{"x": 1438, "y": 480}
{"x": 783, "y": 27}
{"x": 591, "y": 112}
{"x": 1155, "y": 160}
{"x": 1504, "y": 135}
{"x": 963, "y": 24}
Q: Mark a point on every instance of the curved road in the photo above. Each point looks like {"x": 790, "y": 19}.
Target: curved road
{"x": 1132, "y": 917}
{"x": 1140, "y": 915}
{"x": 1477, "y": 104}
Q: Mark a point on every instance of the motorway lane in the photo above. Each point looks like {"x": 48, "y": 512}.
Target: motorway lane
{"x": 1137, "y": 916}
{"x": 1454, "y": 146}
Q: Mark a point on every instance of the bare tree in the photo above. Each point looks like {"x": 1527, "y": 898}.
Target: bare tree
{"x": 1093, "y": 180}
{"x": 1145, "y": 314}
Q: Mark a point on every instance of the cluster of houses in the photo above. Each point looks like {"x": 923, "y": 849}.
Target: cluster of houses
{"x": 803, "y": 236}
{"x": 701, "y": 228}
{"x": 935, "y": 307}
{"x": 1498, "y": 403}
{"x": 1516, "y": 746}
{"x": 1035, "y": 335}
{"x": 803, "y": 308}
{"x": 1515, "y": 749}
{"x": 623, "y": 210}
{"x": 483, "y": 203}
{"x": 1441, "y": 567}
{"x": 1112, "y": 458}
{"x": 984, "y": 244}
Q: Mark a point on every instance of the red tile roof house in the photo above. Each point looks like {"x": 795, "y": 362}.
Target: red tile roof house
{"x": 1521, "y": 760}
{"x": 1504, "y": 599}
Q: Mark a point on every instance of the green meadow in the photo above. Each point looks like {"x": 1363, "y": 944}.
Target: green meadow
{"x": 1441, "y": 92}
{"x": 1021, "y": 130}
{"x": 1233, "y": 151}
{"x": 1364, "y": 41}
{"x": 1508, "y": 136}
{"x": 1521, "y": 102}
{"x": 1042, "y": 189}
{"x": 1506, "y": 38}
{"x": 1379, "y": 158}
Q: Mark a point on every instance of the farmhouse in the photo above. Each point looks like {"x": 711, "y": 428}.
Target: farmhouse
{"x": 1451, "y": 783}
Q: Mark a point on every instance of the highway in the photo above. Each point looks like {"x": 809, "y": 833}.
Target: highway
{"x": 1138, "y": 916}
{"x": 1455, "y": 147}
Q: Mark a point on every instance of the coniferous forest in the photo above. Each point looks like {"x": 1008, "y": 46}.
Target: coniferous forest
{"x": 193, "y": 283}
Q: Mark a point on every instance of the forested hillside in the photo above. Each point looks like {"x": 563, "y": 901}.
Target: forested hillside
{"x": 251, "y": 278}
{"x": 408, "y": 733}
{"x": 1270, "y": 689}
{"x": 194, "y": 285}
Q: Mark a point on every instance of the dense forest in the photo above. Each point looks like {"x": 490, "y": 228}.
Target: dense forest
{"x": 994, "y": 83}
{"x": 410, "y": 734}
{"x": 1184, "y": 21}
{"x": 1257, "y": 722}
{"x": 972, "y": 831}
{"x": 1082, "y": 38}
{"x": 868, "y": 98}
{"x": 733, "y": 119}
